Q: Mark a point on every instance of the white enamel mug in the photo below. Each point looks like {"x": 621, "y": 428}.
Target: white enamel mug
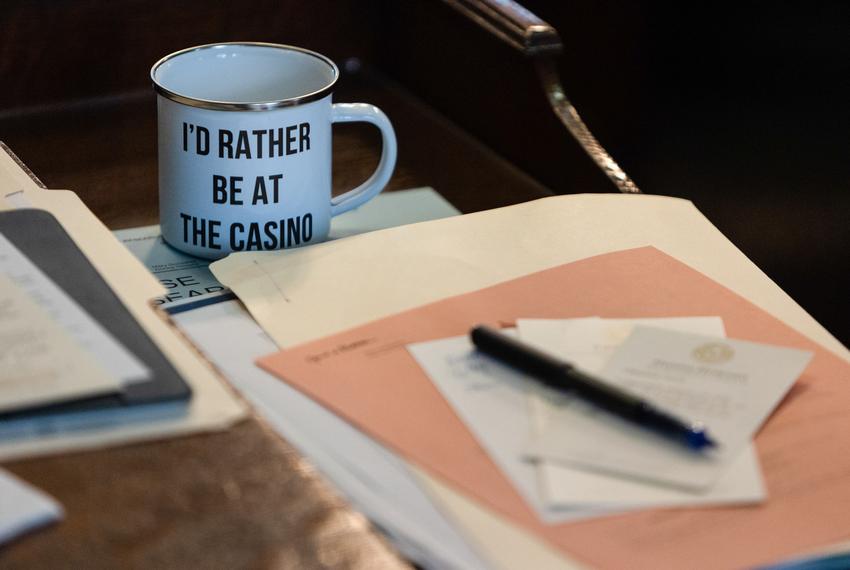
{"x": 245, "y": 148}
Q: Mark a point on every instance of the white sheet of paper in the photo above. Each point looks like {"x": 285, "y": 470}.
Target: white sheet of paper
{"x": 588, "y": 343}
{"x": 374, "y": 479}
{"x": 23, "y": 507}
{"x": 39, "y": 362}
{"x": 88, "y": 333}
{"x": 183, "y": 276}
{"x": 492, "y": 400}
{"x": 730, "y": 385}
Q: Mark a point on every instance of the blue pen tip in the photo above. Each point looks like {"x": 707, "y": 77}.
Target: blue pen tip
{"x": 697, "y": 439}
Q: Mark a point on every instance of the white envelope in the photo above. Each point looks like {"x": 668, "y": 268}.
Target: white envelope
{"x": 588, "y": 343}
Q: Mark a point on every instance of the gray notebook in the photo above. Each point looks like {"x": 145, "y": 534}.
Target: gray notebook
{"x": 40, "y": 237}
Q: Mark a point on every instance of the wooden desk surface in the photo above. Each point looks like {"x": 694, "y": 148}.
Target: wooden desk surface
{"x": 244, "y": 497}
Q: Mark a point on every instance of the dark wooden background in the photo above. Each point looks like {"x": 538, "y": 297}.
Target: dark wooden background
{"x": 738, "y": 106}
{"x": 741, "y": 107}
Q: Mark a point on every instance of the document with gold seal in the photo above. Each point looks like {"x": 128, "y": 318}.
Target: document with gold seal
{"x": 729, "y": 386}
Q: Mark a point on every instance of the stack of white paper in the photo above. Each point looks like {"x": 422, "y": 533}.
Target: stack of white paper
{"x": 374, "y": 479}
{"x": 466, "y": 255}
{"x": 569, "y": 461}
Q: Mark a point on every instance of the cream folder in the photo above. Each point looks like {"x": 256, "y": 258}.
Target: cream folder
{"x": 296, "y": 295}
{"x": 212, "y": 407}
{"x": 400, "y": 268}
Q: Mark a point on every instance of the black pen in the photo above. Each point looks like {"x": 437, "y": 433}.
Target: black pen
{"x": 563, "y": 376}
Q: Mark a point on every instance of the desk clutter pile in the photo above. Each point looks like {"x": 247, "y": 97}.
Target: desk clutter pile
{"x": 357, "y": 352}
{"x": 85, "y": 362}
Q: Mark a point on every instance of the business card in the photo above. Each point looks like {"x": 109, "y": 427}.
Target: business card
{"x": 728, "y": 386}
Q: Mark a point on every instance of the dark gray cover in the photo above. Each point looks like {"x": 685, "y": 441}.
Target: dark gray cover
{"x": 40, "y": 237}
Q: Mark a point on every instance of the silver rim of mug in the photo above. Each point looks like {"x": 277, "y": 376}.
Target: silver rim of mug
{"x": 257, "y": 106}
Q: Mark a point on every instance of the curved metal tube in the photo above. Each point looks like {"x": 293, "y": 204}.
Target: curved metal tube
{"x": 524, "y": 31}
{"x": 548, "y": 73}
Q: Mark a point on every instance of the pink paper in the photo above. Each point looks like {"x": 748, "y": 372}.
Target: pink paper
{"x": 366, "y": 375}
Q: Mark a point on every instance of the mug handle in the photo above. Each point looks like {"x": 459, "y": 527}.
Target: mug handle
{"x": 364, "y": 112}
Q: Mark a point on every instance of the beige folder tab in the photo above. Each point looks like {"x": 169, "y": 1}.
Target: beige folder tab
{"x": 212, "y": 407}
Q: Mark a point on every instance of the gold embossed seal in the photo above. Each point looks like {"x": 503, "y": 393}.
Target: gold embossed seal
{"x": 713, "y": 353}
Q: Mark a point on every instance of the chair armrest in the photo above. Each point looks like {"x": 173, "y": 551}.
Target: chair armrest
{"x": 513, "y": 24}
